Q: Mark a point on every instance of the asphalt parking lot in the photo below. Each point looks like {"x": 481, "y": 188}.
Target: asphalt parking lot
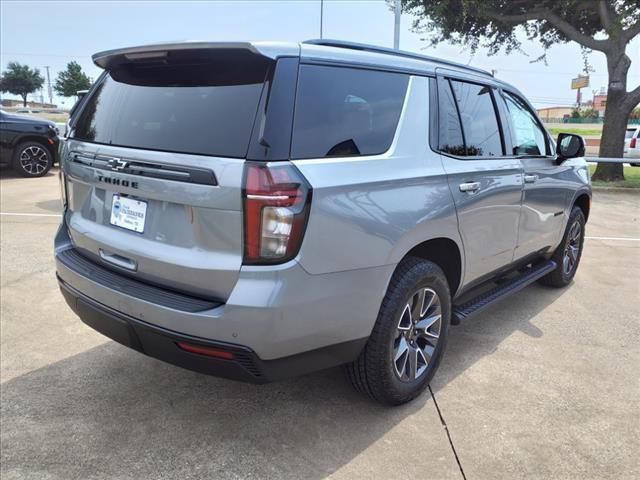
{"x": 544, "y": 385}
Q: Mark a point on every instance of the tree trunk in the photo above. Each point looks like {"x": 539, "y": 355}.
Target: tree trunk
{"x": 24, "y": 100}
{"x": 612, "y": 142}
{"x": 616, "y": 116}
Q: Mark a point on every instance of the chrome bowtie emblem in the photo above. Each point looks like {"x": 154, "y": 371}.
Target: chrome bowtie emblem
{"x": 117, "y": 164}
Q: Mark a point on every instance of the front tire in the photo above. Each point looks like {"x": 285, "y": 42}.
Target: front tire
{"x": 32, "y": 159}
{"x": 567, "y": 255}
{"x": 409, "y": 336}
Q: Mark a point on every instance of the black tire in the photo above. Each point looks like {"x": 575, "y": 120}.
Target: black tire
{"x": 32, "y": 159}
{"x": 561, "y": 276}
{"x": 375, "y": 371}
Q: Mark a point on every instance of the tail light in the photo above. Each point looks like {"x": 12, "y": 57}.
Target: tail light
{"x": 632, "y": 143}
{"x": 277, "y": 199}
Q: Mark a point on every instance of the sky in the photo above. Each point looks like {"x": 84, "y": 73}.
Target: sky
{"x": 54, "y": 33}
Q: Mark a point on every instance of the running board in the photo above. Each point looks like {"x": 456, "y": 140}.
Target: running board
{"x": 482, "y": 301}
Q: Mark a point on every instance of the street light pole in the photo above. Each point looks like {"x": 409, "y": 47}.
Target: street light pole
{"x": 321, "y": 12}
{"x": 396, "y": 28}
{"x": 49, "y": 86}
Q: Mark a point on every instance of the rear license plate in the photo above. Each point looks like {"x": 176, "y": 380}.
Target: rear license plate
{"x": 128, "y": 213}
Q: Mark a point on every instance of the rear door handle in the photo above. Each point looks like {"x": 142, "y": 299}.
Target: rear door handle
{"x": 470, "y": 187}
{"x": 530, "y": 178}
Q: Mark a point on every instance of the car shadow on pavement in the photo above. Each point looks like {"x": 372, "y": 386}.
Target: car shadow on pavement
{"x": 111, "y": 412}
{"x": 483, "y": 334}
{"x": 54, "y": 206}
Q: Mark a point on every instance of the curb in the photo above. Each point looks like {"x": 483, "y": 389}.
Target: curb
{"x": 615, "y": 189}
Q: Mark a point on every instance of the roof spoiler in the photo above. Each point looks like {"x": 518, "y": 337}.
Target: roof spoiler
{"x": 163, "y": 52}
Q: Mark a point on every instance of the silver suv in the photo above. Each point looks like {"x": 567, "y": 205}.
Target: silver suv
{"x": 263, "y": 210}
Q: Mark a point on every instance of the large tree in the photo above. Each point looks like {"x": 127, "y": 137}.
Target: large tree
{"x": 20, "y": 80}
{"x": 605, "y": 26}
{"x": 71, "y": 80}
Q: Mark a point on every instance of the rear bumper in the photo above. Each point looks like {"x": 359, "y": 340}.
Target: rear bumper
{"x": 162, "y": 344}
{"x": 283, "y": 319}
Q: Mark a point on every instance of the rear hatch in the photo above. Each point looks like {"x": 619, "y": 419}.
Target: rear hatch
{"x": 154, "y": 162}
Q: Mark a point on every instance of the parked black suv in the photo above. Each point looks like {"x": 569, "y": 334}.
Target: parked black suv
{"x": 28, "y": 145}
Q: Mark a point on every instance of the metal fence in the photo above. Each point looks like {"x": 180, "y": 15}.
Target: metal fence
{"x": 608, "y": 160}
{"x": 631, "y": 121}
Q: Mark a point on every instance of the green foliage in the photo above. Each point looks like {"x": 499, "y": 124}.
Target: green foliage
{"x": 631, "y": 178}
{"x": 589, "y": 113}
{"x": 493, "y": 23}
{"x": 635, "y": 114}
{"x": 71, "y": 80}
{"x": 20, "y": 80}
{"x": 592, "y": 132}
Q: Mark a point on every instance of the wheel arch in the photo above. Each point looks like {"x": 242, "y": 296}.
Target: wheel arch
{"x": 583, "y": 200}
{"x": 445, "y": 253}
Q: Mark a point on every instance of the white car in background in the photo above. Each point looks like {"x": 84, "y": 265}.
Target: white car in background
{"x": 632, "y": 144}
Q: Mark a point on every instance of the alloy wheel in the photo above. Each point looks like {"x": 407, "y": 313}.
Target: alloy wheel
{"x": 34, "y": 160}
{"x": 417, "y": 335}
{"x": 572, "y": 248}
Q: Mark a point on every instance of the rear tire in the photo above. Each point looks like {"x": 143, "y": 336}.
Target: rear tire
{"x": 567, "y": 255}
{"x": 32, "y": 159}
{"x": 409, "y": 336}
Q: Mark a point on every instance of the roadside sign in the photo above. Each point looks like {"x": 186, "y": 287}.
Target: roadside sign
{"x": 582, "y": 81}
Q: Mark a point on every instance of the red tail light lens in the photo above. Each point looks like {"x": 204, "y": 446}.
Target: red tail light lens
{"x": 276, "y": 207}
{"x": 632, "y": 143}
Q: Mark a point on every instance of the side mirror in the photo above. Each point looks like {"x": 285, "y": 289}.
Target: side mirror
{"x": 570, "y": 146}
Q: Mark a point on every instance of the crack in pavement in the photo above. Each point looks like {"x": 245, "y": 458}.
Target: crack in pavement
{"x": 446, "y": 429}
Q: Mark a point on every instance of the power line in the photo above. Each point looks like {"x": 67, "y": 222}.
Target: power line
{"x": 515, "y": 70}
{"x": 72, "y": 55}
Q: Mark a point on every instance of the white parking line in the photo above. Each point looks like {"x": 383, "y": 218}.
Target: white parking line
{"x": 12, "y": 214}
{"x": 615, "y": 239}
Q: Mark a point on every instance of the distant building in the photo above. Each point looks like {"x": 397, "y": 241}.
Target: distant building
{"x": 600, "y": 103}
{"x": 547, "y": 114}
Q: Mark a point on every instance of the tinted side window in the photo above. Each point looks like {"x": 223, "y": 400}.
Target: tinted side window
{"x": 529, "y": 139}
{"x": 345, "y": 111}
{"x": 449, "y": 131}
{"x": 479, "y": 120}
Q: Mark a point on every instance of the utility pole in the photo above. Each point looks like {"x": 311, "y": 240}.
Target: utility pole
{"x": 321, "y": 12}
{"x": 578, "y": 98}
{"x": 49, "y": 86}
{"x": 396, "y": 28}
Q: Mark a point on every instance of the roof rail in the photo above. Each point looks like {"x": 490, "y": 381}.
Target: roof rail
{"x": 390, "y": 51}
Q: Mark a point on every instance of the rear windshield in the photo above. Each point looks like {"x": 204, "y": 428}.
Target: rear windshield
{"x": 630, "y": 133}
{"x": 189, "y": 109}
{"x": 345, "y": 111}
